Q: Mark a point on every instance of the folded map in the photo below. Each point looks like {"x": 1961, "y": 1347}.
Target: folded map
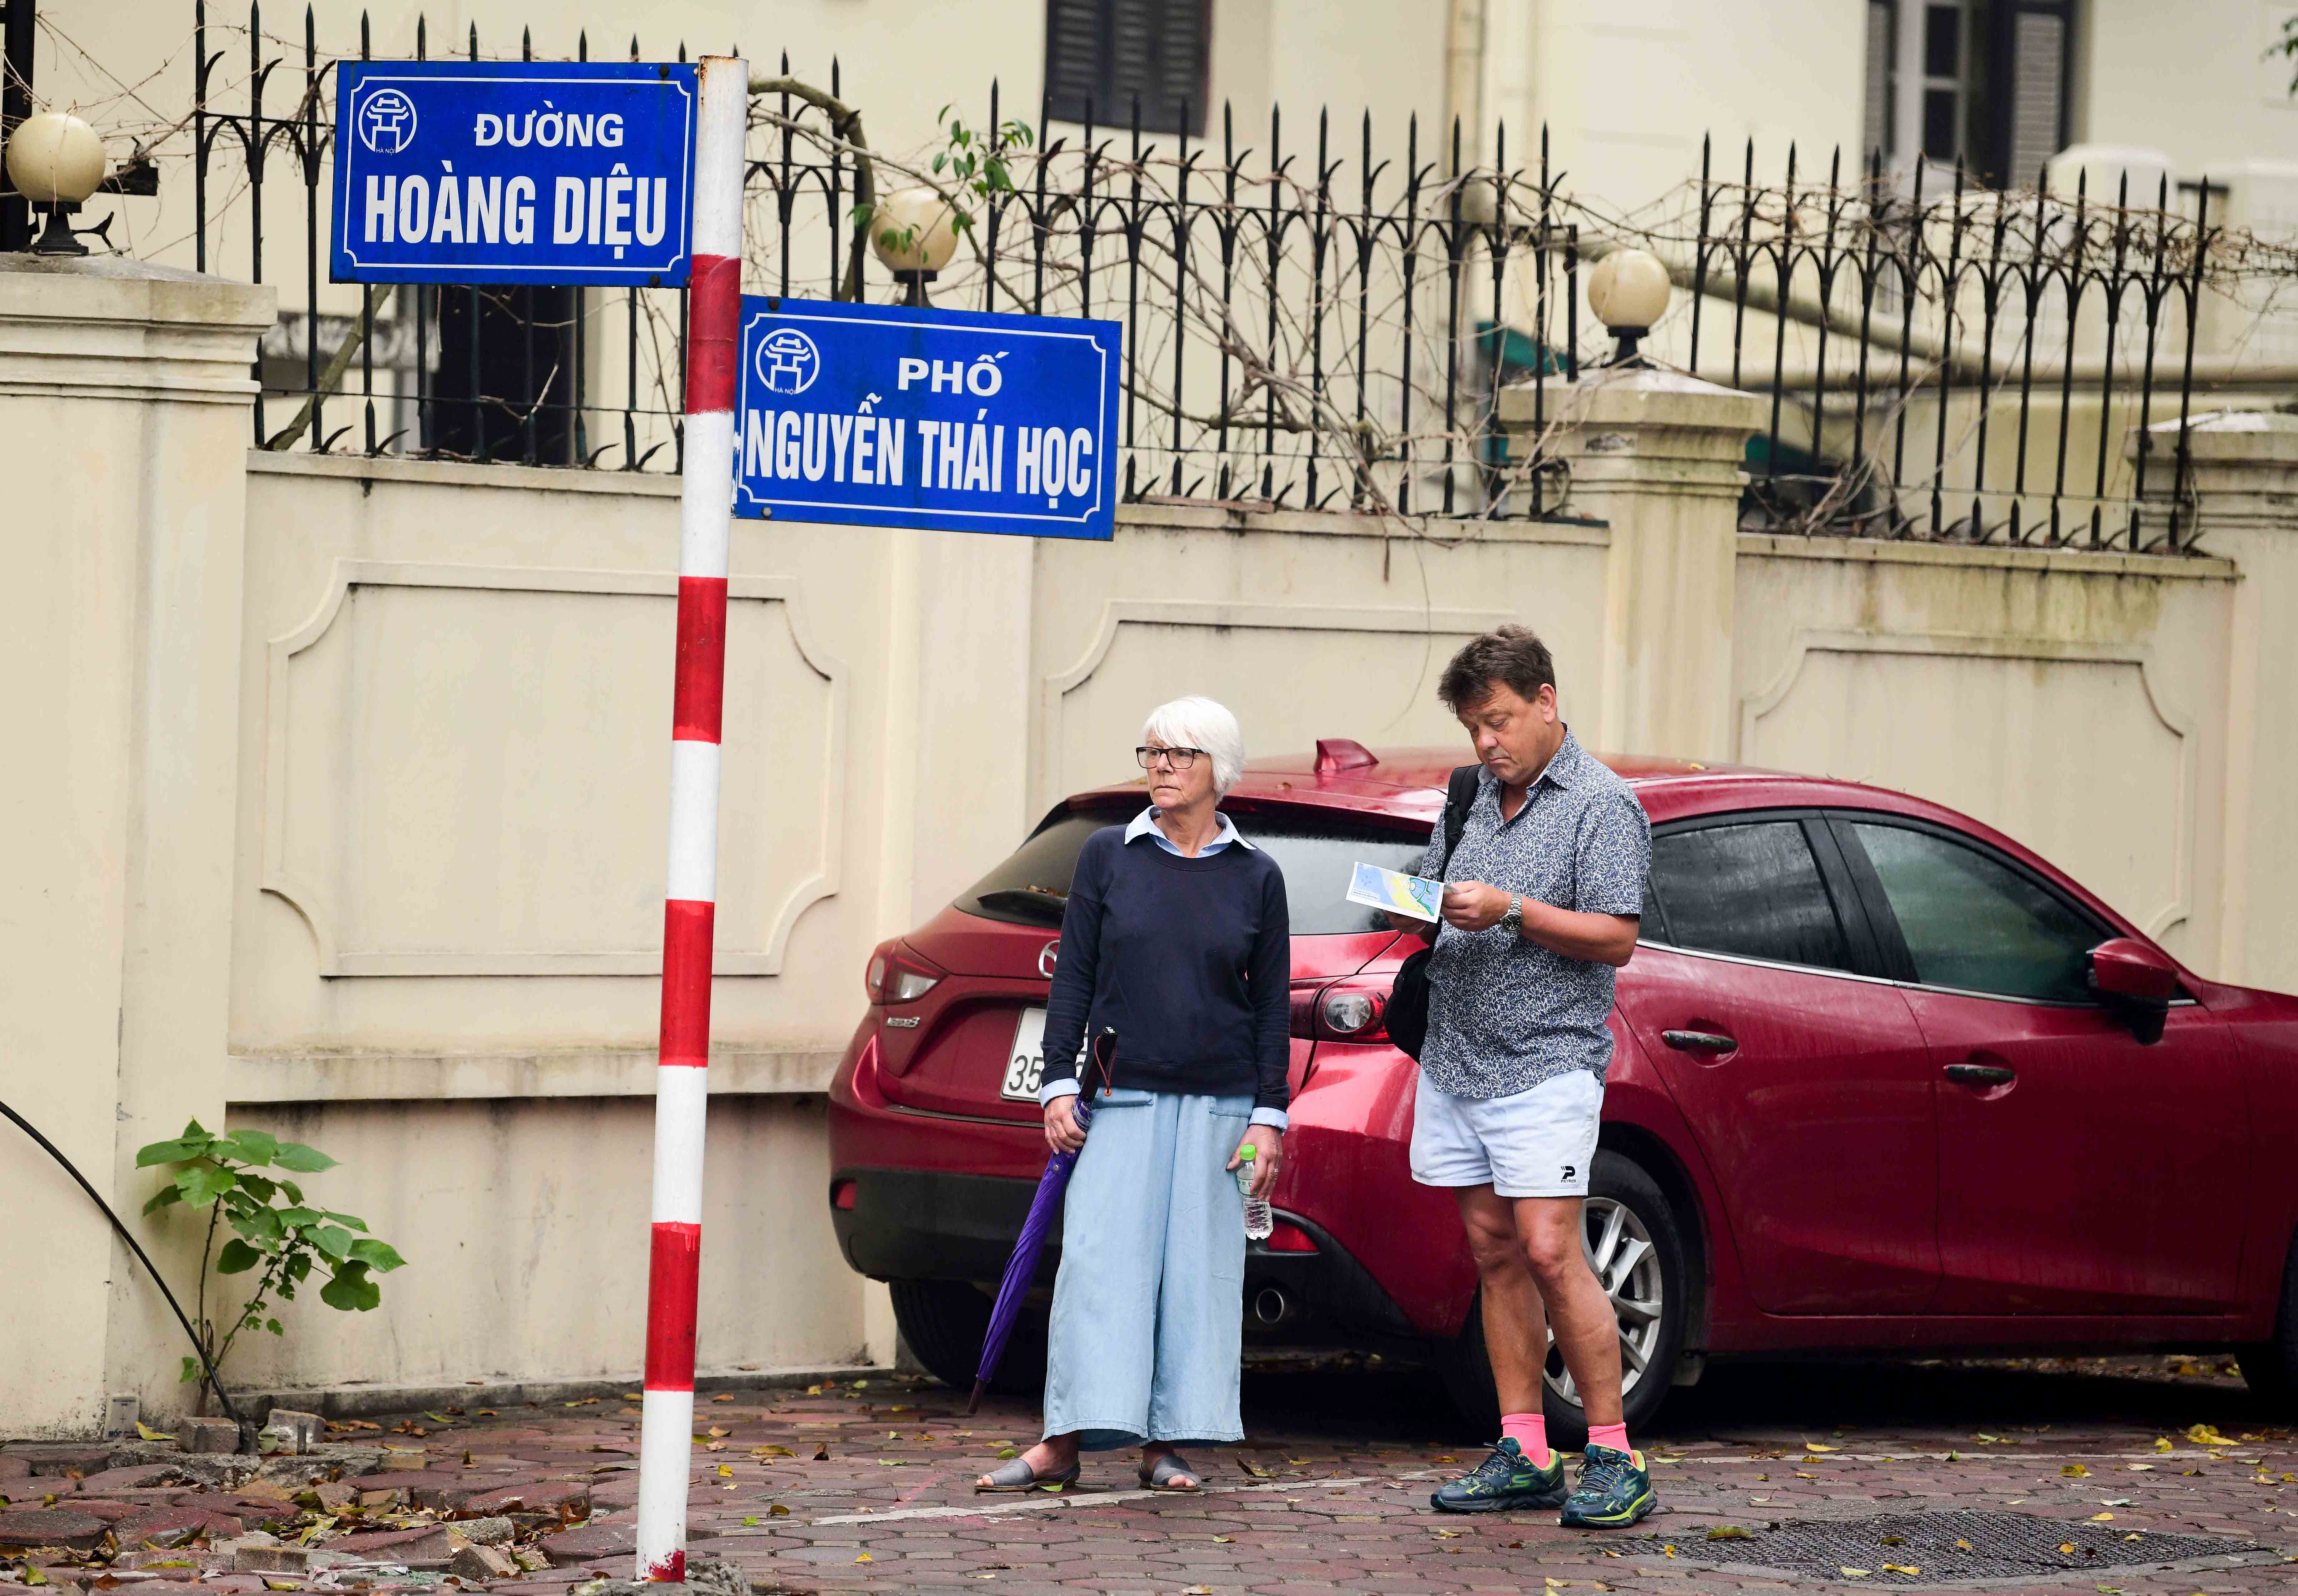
{"x": 1395, "y": 891}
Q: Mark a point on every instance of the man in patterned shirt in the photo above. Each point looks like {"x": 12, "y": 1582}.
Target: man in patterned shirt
{"x": 1541, "y": 899}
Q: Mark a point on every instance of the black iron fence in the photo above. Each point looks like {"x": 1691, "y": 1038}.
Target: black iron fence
{"x": 1312, "y": 324}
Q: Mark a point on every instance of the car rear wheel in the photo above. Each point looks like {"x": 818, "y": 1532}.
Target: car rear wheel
{"x": 2270, "y": 1368}
{"x": 1635, "y": 1245}
{"x": 943, "y": 1322}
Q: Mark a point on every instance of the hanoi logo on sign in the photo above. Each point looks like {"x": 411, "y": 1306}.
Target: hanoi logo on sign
{"x": 787, "y": 361}
{"x": 386, "y": 122}
{"x": 885, "y": 415}
{"x": 513, "y": 172}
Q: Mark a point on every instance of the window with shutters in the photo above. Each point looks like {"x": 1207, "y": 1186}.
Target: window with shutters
{"x": 1983, "y": 82}
{"x": 1882, "y": 24}
{"x": 1104, "y": 57}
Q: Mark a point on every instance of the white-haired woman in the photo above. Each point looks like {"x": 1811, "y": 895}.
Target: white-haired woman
{"x": 1176, "y": 936}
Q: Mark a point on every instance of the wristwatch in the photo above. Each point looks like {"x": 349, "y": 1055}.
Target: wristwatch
{"x": 1512, "y": 922}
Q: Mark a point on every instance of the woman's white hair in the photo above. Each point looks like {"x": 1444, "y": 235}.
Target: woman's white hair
{"x": 1199, "y": 722}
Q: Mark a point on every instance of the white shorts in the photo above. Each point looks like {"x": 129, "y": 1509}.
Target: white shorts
{"x": 1534, "y": 1144}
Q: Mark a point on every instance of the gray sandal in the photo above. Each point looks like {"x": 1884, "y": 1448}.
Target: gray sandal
{"x": 1018, "y": 1477}
{"x": 1168, "y": 1466}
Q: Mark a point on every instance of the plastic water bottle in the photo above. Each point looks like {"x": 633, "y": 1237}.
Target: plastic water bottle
{"x": 1257, "y": 1220}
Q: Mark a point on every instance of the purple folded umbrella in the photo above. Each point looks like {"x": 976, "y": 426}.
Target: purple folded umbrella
{"x": 1022, "y": 1269}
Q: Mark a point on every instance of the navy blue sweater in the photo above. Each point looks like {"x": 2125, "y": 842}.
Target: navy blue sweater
{"x": 1189, "y": 960}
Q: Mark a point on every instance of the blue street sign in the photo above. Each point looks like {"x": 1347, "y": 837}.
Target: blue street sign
{"x": 887, "y": 416}
{"x": 452, "y": 172}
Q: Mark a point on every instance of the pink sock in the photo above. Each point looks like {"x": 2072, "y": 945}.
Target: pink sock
{"x": 1529, "y": 1431}
{"x": 1614, "y": 1435}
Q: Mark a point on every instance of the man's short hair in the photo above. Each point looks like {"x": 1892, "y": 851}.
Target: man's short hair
{"x": 1512, "y": 657}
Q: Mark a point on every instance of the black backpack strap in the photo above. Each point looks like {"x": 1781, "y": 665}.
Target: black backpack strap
{"x": 1459, "y": 797}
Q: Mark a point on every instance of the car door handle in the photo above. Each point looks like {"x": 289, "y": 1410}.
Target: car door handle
{"x": 1697, "y": 1041}
{"x": 1981, "y": 1075}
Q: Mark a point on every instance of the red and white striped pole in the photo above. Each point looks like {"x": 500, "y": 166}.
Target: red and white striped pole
{"x": 682, "y": 1074}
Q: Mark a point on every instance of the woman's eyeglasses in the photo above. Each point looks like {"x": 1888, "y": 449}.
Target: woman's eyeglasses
{"x": 1174, "y": 758}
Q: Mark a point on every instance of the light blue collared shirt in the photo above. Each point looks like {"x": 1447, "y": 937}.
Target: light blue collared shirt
{"x": 1145, "y": 824}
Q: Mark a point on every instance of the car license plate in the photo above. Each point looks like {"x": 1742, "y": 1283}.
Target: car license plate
{"x": 1025, "y": 1066}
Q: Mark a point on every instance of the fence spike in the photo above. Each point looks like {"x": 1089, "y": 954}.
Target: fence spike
{"x": 583, "y": 45}
{"x": 526, "y": 44}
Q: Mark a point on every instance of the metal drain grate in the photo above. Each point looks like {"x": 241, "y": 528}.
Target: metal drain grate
{"x": 1924, "y": 1549}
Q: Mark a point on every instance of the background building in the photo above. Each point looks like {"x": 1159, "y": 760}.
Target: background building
{"x": 354, "y": 829}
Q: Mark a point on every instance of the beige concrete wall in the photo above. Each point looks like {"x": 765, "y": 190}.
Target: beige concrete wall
{"x": 123, "y": 396}
{"x": 357, "y": 830}
{"x": 2071, "y": 701}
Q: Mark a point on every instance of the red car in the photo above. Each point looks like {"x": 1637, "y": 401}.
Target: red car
{"x": 1882, "y": 1079}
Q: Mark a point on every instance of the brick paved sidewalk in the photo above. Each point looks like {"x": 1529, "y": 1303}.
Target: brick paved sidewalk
{"x": 867, "y": 1487}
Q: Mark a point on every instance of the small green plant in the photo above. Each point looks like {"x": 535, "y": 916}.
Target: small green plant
{"x": 2286, "y": 46}
{"x": 978, "y": 170}
{"x": 279, "y": 1233}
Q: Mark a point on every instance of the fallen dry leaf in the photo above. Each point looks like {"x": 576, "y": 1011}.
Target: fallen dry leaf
{"x": 2101, "y": 1518}
{"x": 2203, "y": 1434}
{"x": 2066, "y": 1549}
{"x": 1964, "y": 1545}
{"x": 772, "y": 1452}
{"x": 717, "y": 1430}
{"x": 1729, "y": 1532}
{"x": 821, "y": 1451}
{"x": 1900, "y": 1568}
{"x": 2162, "y": 1443}
{"x": 725, "y": 1471}
{"x": 149, "y": 1434}
{"x": 1854, "y": 1573}
{"x": 1815, "y": 1446}
{"x": 2075, "y": 1471}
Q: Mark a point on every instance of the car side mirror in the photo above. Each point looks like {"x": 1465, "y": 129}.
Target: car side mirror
{"x": 2135, "y": 984}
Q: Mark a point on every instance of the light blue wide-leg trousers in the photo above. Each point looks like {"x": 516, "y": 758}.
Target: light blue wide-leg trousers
{"x": 1148, "y": 1318}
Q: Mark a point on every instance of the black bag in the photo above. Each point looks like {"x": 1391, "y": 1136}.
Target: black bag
{"x": 1408, "y": 999}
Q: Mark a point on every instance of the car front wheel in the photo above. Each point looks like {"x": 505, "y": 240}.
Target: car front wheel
{"x": 1634, "y": 1244}
{"x": 2270, "y": 1368}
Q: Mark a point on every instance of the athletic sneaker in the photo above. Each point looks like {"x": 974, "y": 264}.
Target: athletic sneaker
{"x": 1503, "y": 1483}
{"x": 1614, "y": 1491}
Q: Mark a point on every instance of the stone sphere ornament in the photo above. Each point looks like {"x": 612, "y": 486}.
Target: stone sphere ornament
{"x": 55, "y": 159}
{"x": 1628, "y": 290}
{"x": 913, "y": 229}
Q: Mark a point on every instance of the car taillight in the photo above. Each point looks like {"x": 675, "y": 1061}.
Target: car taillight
{"x": 1342, "y": 1012}
{"x": 897, "y": 975}
{"x": 842, "y": 1197}
{"x": 1353, "y": 1015}
{"x": 1289, "y": 1238}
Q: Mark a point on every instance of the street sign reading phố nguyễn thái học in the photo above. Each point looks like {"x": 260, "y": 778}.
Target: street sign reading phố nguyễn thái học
{"x": 565, "y": 172}
{"x": 895, "y": 415}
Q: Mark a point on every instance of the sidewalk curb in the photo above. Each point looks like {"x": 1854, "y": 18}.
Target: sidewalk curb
{"x": 354, "y": 1401}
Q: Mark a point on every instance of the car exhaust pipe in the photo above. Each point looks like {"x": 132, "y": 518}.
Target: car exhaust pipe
{"x": 1272, "y": 1306}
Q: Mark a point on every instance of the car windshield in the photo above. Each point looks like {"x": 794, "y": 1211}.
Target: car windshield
{"x": 1315, "y": 852}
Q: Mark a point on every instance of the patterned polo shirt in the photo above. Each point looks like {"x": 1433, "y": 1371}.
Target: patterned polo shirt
{"x": 1505, "y": 1013}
